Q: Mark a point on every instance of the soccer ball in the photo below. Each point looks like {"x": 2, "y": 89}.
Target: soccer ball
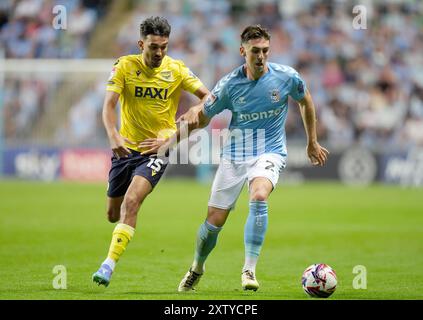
{"x": 319, "y": 280}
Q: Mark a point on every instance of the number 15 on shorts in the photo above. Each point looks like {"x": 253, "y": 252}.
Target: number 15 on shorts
{"x": 155, "y": 164}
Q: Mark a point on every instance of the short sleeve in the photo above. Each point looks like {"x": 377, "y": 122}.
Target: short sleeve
{"x": 190, "y": 81}
{"x": 298, "y": 87}
{"x": 218, "y": 100}
{"x": 116, "y": 79}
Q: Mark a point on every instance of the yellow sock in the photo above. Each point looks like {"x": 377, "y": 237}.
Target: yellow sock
{"x": 122, "y": 234}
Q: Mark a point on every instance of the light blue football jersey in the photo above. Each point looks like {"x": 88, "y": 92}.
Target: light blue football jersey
{"x": 259, "y": 110}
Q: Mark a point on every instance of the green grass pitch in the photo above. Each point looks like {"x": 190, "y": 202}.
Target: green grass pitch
{"x": 47, "y": 224}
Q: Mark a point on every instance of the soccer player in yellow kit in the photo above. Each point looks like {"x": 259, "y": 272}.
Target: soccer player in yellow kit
{"x": 148, "y": 87}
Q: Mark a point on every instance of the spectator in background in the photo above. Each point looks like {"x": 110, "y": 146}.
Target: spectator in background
{"x": 26, "y": 32}
{"x": 27, "y": 29}
{"x": 351, "y": 68}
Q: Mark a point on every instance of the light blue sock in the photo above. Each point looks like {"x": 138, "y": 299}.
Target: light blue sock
{"x": 254, "y": 232}
{"x": 206, "y": 241}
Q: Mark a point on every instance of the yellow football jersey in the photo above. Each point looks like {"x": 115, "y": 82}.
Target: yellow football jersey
{"x": 149, "y": 98}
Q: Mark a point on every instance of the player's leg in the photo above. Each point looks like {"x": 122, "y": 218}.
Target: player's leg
{"x": 256, "y": 224}
{"x": 140, "y": 185}
{"x": 125, "y": 229}
{"x": 120, "y": 176}
{"x": 255, "y": 230}
{"x": 226, "y": 188}
{"x": 113, "y": 208}
{"x": 207, "y": 236}
{"x": 206, "y": 241}
{"x": 263, "y": 176}
{"x": 138, "y": 190}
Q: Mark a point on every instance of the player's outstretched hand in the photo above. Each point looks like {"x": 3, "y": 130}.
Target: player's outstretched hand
{"x": 154, "y": 145}
{"x": 191, "y": 117}
{"x": 317, "y": 154}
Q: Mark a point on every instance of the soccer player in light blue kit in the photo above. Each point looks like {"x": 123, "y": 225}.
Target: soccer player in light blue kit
{"x": 257, "y": 95}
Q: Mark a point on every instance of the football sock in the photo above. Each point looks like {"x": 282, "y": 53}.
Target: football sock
{"x": 254, "y": 232}
{"x": 110, "y": 262}
{"x": 122, "y": 234}
{"x": 206, "y": 241}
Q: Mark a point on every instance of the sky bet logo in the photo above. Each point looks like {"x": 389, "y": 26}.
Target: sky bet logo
{"x": 155, "y": 93}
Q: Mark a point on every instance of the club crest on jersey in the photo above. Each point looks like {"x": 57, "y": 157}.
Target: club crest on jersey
{"x": 275, "y": 95}
{"x": 166, "y": 74}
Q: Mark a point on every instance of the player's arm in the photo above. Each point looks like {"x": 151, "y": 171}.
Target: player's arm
{"x": 316, "y": 153}
{"x": 192, "y": 119}
{"x": 195, "y": 118}
{"x": 117, "y": 142}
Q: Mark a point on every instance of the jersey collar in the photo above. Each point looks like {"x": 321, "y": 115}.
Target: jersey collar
{"x": 244, "y": 73}
{"x": 149, "y": 70}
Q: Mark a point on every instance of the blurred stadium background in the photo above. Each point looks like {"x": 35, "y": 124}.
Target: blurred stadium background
{"x": 367, "y": 84}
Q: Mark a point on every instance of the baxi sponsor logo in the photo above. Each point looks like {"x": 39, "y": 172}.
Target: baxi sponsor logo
{"x": 154, "y": 93}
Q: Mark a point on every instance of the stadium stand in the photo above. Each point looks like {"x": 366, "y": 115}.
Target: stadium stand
{"x": 367, "y": 84}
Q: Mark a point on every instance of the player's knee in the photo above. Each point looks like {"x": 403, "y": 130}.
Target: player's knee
{"x": 217, "y": 217}
{"x": 259, "y": 195}
{"x": 216, "y": 221}
{"x": 113, "y": 215}
{"x": 131, "y": 204}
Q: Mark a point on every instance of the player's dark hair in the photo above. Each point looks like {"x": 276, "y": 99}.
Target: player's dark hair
{"x": 254, "y": 32}
{"x": 157, "y": 26}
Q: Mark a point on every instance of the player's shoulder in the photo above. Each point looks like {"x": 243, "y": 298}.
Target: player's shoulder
{"x": 175, "y": 64}
{"x": 282, "y": 70}
{"x": 232, "y": 78}
{"x": 126, "y": 61}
